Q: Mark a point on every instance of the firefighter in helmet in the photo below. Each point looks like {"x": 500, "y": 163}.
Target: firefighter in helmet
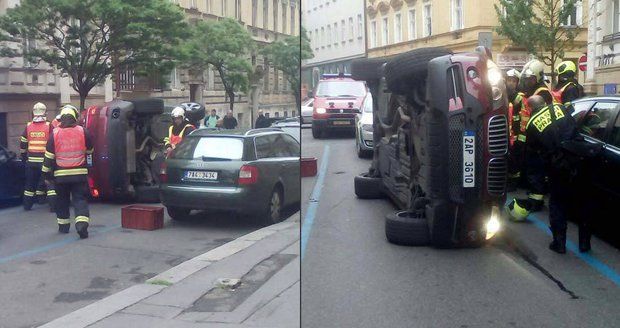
{"x": 178, "y": 130}
{"x": 66, "y": 162}
{"x": 515, "y": 105}
{"x": 32, "y": 149}
{"x": 567, "y": 89}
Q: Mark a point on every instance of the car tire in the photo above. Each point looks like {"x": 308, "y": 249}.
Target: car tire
{"x": 316, "y": 133}
{"x": 366, "y": 69}
{"x": 410, "y": 67}
{"x": 147, "y": 194}
{"x": 151, "y": 106}
{"x": 178, "y": 213}
{"x": 407, "y": 228}
{"x": 362, "y": 153}
{"x": 273, "y": 210}
{"x": 367, "y": 187}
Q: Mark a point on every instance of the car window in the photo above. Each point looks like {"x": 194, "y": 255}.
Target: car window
{"x": 341, "y": 89}
{"x": 264, "y": 146}
{"x": 215, "y": 148}
{"x": 292, "y": 146}
{"x": 614, "y": 139}
{"x": 309, "y": 103}
{"x": 580, "y": 109}
{"x": 595, "y": 122}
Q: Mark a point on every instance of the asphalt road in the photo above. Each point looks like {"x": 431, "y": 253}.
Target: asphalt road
{"x": 352, "y": 277}
{"x": 44, "y": 275}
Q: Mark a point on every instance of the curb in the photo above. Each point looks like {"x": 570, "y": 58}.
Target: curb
{"x": 101, "y": 309}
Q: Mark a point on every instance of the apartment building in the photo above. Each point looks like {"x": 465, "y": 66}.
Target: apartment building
{"x": 603, "y": 65}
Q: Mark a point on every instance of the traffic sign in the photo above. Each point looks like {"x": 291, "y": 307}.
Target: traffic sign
{"x": 583, "y": 63}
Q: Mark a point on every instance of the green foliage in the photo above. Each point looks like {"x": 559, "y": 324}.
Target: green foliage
{"x": 537, "y": 26}
{"x": 286, "y": 55}
{"x": 89, "y": 39}
{"x": 225, "y": 45}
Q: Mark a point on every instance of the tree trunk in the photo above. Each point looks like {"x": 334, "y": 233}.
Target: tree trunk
{"x": 231, "y": 98}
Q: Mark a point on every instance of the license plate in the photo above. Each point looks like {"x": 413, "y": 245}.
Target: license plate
{"x": 201, "y": 175}
{"x": 342, "y": 123}
{"x": 469, "y": 159}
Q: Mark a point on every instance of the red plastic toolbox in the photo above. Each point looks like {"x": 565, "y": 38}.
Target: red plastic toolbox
{"x": 308, "y": 167}
{"x": 142, "y": 217}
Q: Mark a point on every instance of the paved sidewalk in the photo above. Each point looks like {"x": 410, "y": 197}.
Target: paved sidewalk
{"x": 196, "y": 293}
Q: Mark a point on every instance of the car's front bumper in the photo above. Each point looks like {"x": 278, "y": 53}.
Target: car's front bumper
{"x": 365, "y": 140}
{"x": 243, "y": 200}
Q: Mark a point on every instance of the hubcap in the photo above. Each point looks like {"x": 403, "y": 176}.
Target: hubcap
{"x": 275, "y": 206}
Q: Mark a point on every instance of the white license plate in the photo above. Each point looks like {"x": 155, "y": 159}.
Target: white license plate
{"x": 469, "y": 159}
{"x": 342, "y": 123}
{"x": 201, "y": 175}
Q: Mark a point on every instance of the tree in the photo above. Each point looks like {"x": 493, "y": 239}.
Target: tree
{"x": 89, "y": 39}
{"x": 538, "y": 26}
{"x": 286, "y": 55}
{"x": 225, "y": 45}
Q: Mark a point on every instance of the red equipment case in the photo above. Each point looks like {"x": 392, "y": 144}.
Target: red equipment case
{"x": 142, "y": 217}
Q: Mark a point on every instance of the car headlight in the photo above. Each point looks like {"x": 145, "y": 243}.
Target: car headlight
{"x": 493, "y": 224}
{"x": 495, "y": 76}
{"x": 321, "y": 110}
{"x": 367, "y": 127}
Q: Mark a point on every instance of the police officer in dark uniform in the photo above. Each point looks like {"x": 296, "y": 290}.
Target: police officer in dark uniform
{"x": 66, "y": 161}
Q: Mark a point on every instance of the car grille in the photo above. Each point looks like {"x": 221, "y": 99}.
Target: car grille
{"x": 455, "y": 156}
{"x": 496, "y": 176}
{"x": 498, "y": 135}
{"x": 344, "y": 110}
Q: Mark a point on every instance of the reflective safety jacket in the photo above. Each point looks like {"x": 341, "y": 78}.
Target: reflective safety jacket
{"x": 65, "y": 155}
{"x": 173, "y": 138}
{"x": 526, "y": 111}
{"x": 567, "y": 93}
{"x": 514, "y": 116}
{"x": 33, "y": 142}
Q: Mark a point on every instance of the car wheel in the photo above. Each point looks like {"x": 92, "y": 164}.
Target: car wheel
{"x": 178, "y": 213}
{"x": 152, "y": 106}
{"x": 367, "y": 187}
{"x": 366, "y": 69}
{"x": 410, "y": 67}
{"x": 273, "y": 212}
{"x": 407, "y": 228}
{"x": 316, "y": 132}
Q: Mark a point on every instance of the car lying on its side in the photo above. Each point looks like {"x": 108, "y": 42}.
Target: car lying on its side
{"x": 254, "y": 172}
{"x": 13, "y": 176}
{"x": 440, "y": 141}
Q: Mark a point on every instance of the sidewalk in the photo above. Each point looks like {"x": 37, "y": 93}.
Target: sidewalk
{"x": 202, "y": 292}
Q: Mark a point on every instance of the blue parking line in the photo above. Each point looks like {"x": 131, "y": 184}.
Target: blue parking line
{"x": 314, "y": 202}
{"x": 60, "y": 243}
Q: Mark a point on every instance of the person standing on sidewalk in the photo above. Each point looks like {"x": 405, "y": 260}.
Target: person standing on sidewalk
{"x": 261, "y": 121}
{"x": 32, "y": 149}
{"x": 67, "y": 157}
{"x": 211, "y": 120}
{"x": 230, "y": 122}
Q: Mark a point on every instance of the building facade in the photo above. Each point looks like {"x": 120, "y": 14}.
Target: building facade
{"x": 266, "y": 21}
{"x": 396, "y": 26}
{"x": 22, "y": 84}
{"x": 336, "y": 32}
{"x": 603, "y": 60}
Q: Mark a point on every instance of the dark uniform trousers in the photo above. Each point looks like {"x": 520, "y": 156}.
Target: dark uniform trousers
{"x": 36, "y": 188}
{"x": 568, "y": 199}
{"x": 75, "y": 193}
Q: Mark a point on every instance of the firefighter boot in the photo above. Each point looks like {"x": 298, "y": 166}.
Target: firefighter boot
{"x": 584, "y": 239}
{"x": 82, "y": 229}
{"x": 28, "y": 202}
{"x": 63, "y": 228}
{"x": 558, "y": 244}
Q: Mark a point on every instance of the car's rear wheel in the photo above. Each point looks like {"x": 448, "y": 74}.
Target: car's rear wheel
{"x": 407, "y": 228}
{"x": 367, "y": 187}
{"x": 178, "y": 213}
{"x": 406, "y": 69}
{"x": 366, "y": 68}
{"x": 273, "y": 211}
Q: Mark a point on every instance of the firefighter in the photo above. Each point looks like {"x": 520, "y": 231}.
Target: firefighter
{"x": 32, "y": 149}
{"x": 517, "y": 147}
{"x": 56, "y": 121}
{"x": 66, "y": 162}
{"x": 568, "y": 89}
{"x": 550, "y": 129}
{"x": 179, "y": 129}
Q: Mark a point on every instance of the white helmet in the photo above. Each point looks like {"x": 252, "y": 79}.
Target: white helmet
{"x": 39, "y": 109}
{"x": 178, "y": 112}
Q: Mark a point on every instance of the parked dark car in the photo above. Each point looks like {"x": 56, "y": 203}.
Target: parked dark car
{"x": 250, "y": 172}
{"x": 12, "y": 177}
{"x": 599, "y": 123}
{"x": 440, "y": 141}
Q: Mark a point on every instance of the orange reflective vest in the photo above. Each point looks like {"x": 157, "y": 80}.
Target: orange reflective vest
{"x": 526, "y": 113}
{"x": 557, "y": 94}
{"x": 70, "y": 147}
{"x": 514, "y": 117}
{"x": 55, "y": 123}
{"x": 176, "y": 139}
{"x": 37, "y": 134}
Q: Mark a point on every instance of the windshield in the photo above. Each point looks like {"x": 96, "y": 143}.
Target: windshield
{"x": 210, "y": 148}
{"x": 341, "y": 89}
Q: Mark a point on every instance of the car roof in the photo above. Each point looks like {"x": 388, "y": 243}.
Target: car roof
{"x": 239, "y": 133}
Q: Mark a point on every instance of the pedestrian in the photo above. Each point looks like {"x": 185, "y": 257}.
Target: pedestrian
{"x": 230, "y": 122}
{"x": 517, "y": 138}
{"x": 67, "y": 158}
{"x": 178, "y": 130}
{"x": 550, "y": 130}
{"x": 56, "y": 121}
{"x": 261, "y": 121}
{"x": 568, "y": 89}
{"x": 211, "y": 120}
{"x": 32, "y": 149}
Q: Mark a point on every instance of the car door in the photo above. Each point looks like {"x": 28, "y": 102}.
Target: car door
{"x": 611, "y": 158}
{"x": 292, "y": 168}
{"x": 267, "y": 162}
{"x": 596, "y": 127}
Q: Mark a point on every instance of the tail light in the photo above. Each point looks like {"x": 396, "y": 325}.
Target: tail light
{"x": 163, "y": 175}
{"x": 248, "y": 175}
{"x": 94, "y": 192}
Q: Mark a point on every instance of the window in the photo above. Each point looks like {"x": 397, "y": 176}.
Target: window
{"x": 265, "y": 14}
{"x": 580, "y": 110}
{"x": 457, "y": 15}
{"x": 386, "y": 33}
{"x": 292, "y": 146}
{"x": 616, "y": 16}
{"x": 276, "y": 78}
{"x": 266, "y": 78}
{"x": 373, "y": 34}
{"x": 277, "y": 114}
{"x": 224, "y": 8}
{"x": 343, "y": 30}
{"x": 350, "y": 28}
{"x": 265, "y": 146}
{"x": 284, "y": 18}
{"x": 275, "y": 15}
{"x": 336, "y": 33}
{"x": 614, "y": 139}
{"x": 238, "y": 9}
{"x": 360, "y": 27}
{"x": 427, "y": 20}
{"x": 335, "y": 88}
{"x": 412, "y": 29}
{"x": 193, "y": 4}
{"x": 322, "y": 37}
{"x": 595, "y": 122}
{"x": 317, "y": 44}
{"x": 329, "y": 35}
{"x": 575, "y": 17}
{"x": 212, "y": 147}
{"x": 397, "y": 28}
{"x": 208, "y": 6}
{"x": 293, "y": 25}
{"x": 285, "y": 113}
{"x": 254, "y": 11}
